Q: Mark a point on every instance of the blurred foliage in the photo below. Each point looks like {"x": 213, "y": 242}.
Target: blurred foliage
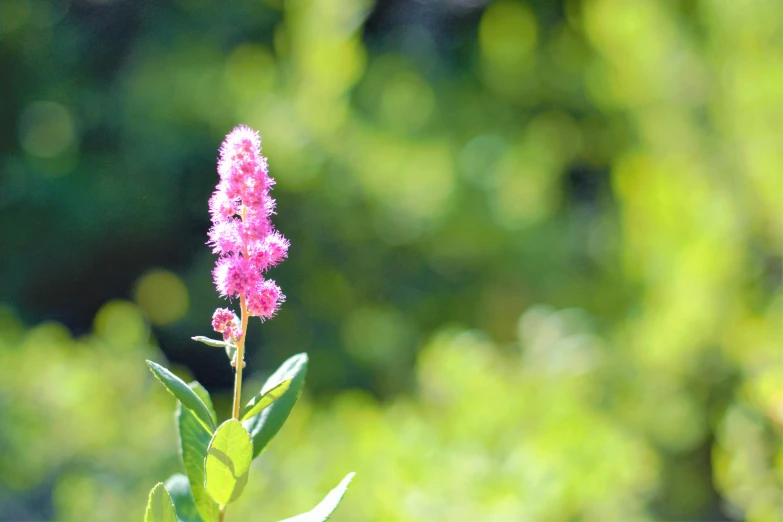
{"x": 445, "y": 162}
{"x": 488, "y": 436}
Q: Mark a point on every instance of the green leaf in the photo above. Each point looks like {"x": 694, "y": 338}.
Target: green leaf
{"x": 264, "y": 427}
{"x": 203, "y": 394}
{"x": 326, "y": 507}
{"x": 159, "y": 506}
{"x": 264, "y": 399}
{"x": 228, "y": 461}
{"x": 210, "y": 342}
{"x": 179, "y": 489}
{"x": 193, "y": 442}
{"x": 186, "y": 396}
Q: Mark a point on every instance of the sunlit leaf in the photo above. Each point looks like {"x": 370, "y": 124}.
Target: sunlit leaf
{"x": 184, "y": 393}
{"x": 160, "y": 508}
{"x": 179, "y": 489}
{"x": 326, "y": 507}
{"x": 193, "y": 440}
{"x": 228, "y": 461}
{"x": 264, "y": 399}
{"x": 264, "y": 427}
{"x": 203, "y": 394}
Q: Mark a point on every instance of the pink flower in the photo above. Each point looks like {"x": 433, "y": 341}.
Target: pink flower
{"x": 226, "y": 322}
{"x": 235, "y": 276}
{"x": 224, "y": 236}
{"x": 242, "y": 233}
{"x": 271, "y": 252}
{"x": 266, "y": 300}
{"x": 221, "y": 206}
{"x": 256, "y": 228}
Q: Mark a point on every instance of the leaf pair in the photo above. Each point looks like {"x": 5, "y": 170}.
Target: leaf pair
{"x": 173, "y": 503}
{"x": 223, "y": 450}
{"x": 217, "y": 464}
{"x": 290, "y": 375}
{"x": 217, "y": 459}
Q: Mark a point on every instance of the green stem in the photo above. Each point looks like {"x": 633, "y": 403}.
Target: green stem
{"x": 240, "y": 359}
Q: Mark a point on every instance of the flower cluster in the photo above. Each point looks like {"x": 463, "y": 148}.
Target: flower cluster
{"x": 226, "y": 322}
{"x": 242, "y": 233}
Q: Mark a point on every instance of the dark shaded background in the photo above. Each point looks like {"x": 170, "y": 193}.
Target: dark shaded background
{"x": 130, "y": 191}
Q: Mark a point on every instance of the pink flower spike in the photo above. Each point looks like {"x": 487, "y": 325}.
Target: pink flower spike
{"x": 242, "y": 233}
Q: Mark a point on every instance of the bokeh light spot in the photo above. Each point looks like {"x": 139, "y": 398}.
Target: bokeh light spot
{"x": 46, "y": 129}
{"x": 162, "y": 296}
{"x": 478, "y": 157}
{"x": 407, "y": 101}
{"x": 121, "y": 323}
{"x": 250, "y": 72}
{"x": 376, "y": 336}
{"x": 507, "y": 34}
{"x": 526, "y": 191}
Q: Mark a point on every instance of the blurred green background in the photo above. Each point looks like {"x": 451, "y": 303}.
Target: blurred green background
{"x": 536, "y": 253}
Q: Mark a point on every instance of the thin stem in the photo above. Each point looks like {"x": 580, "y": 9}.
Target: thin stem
{"x": 222, "y": 513}
{"x": 240, "y": 359}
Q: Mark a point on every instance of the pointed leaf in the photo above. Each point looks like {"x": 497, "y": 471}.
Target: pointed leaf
{"x": 264, "y": 399}
{"x": 186, "y": 396}
{"x": 264, "y": 427}
{"x": 228, "y": 461}
{"x": 203, "y": 394}
{"x": 159, "y": 506}
{"x": 193, "y": 442}
{"x": 179, "y": 489}
{"x": 210, "y": 342}
{"x": 326, "y": 507}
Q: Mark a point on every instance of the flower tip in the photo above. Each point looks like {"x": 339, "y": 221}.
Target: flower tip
{"x": 241, "y": 139}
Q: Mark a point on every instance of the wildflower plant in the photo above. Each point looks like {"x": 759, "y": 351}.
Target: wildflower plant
{"x": 217, "y": 457}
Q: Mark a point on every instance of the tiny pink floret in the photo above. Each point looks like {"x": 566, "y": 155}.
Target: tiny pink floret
{"x": 226, "y": 322}
{"x": 242, "y": 233}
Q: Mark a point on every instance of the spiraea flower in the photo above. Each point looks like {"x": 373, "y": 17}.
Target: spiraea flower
{"x": 226, "y": 322}
{"x": 242, "y": 233}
